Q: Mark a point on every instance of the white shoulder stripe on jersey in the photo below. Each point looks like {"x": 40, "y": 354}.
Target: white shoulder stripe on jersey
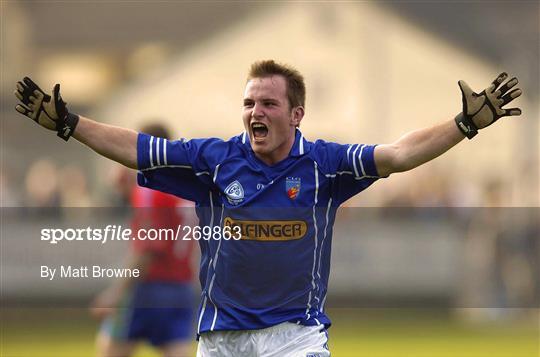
{"x": 301, "y": 148}
{"x": 244, "y": 137}
{"x": 360, "y": 161}
{"x": 354, "y": 161}
{"x": 151, "y": 158}
{"x": 165, "y": 151}
{"x": 348, "y": 151}
{"x": 157, "y": 151}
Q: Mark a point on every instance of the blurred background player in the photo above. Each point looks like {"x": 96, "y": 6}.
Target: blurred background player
{"x": 157, "y": 308}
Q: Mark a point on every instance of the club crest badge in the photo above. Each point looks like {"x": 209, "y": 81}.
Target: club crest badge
{"x": 292, "y": 186}
{"x": 234, "y": 193}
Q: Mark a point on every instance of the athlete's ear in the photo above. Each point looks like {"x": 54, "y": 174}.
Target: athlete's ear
{"x": 297, "y": 115}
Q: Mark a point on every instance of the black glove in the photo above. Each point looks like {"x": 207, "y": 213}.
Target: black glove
{"x": 49, "y": 112}
{"x": 483, "y": 109}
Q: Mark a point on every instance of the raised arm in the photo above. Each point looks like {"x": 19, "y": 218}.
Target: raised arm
{"x": 50, "y": 111}
{"x": 113, "y": 142}
{"x": 479, "y": 111}
{"x": 416, "y": 148}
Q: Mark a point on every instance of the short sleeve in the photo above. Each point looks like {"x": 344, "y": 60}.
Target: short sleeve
{"x": 198, "y": 155}
{"x": 182, "y": 168}
{"x": 351, "y": 167}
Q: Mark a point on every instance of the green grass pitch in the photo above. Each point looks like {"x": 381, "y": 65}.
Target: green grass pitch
{"x": 369, "y": 333}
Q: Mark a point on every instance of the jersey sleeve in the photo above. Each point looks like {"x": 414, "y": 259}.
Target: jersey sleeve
{"x": 351, "y": 167}
{"x": 182, "y": 168}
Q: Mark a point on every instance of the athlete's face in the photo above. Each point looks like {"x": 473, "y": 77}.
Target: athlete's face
{"x": 268, "y": 118}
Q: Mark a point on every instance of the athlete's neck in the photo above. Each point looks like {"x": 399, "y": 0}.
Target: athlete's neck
{"x": 279, "y": 154}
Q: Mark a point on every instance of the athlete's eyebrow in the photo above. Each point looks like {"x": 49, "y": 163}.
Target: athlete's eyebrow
{"x": 264, "y": 100}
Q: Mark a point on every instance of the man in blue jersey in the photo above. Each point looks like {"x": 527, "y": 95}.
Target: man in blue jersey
{"x": 275, "y": 193}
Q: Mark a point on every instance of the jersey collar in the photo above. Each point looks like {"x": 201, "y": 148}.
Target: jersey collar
{"x": 300, "y": 147}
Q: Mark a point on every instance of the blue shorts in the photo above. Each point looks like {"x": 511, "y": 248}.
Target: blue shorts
{"x": 159, "y": 313}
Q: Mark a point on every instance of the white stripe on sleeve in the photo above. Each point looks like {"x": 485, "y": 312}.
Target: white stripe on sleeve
{"x": 151, "y": 158}
{"x": 348, "y": 151}
{"x": 354, "y": 161}
{"x": 165, "y": 151}
{"x": 157, "y": 152}
{"x": 360, "y": 161}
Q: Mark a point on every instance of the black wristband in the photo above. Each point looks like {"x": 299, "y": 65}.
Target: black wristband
{"x": 466, "y": 125}
{"x": 67, "y": 126}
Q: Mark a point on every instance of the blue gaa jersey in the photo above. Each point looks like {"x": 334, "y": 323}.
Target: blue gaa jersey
{"x": 278, "y": 270}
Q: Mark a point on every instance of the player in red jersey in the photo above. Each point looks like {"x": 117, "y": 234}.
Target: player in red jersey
{"x": 157, "y": 307}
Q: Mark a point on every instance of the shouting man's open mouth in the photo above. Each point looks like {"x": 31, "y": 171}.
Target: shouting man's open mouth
{"x": 260, "y": 131}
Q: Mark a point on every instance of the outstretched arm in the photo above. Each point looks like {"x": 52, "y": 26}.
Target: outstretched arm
{"x": 416, "y": 148}
{"x": 479, "y": 111}
{"x": 113, "y": 142}
{"x": 50, "y": 111}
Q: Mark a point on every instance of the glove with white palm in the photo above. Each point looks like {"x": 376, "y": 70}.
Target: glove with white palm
{"x": 48, "y": 111}
{"x": 483, "y": 109}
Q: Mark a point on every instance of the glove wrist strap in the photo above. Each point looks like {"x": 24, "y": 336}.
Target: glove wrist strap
{"x": 66, "y": 127}
{"x": 466, "y": 125}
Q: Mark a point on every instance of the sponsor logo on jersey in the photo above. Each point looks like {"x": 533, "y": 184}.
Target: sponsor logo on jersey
{"x": 234, "y": 193}
{"x": 292, "y": 186}
{"x": 268, "y": 230}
